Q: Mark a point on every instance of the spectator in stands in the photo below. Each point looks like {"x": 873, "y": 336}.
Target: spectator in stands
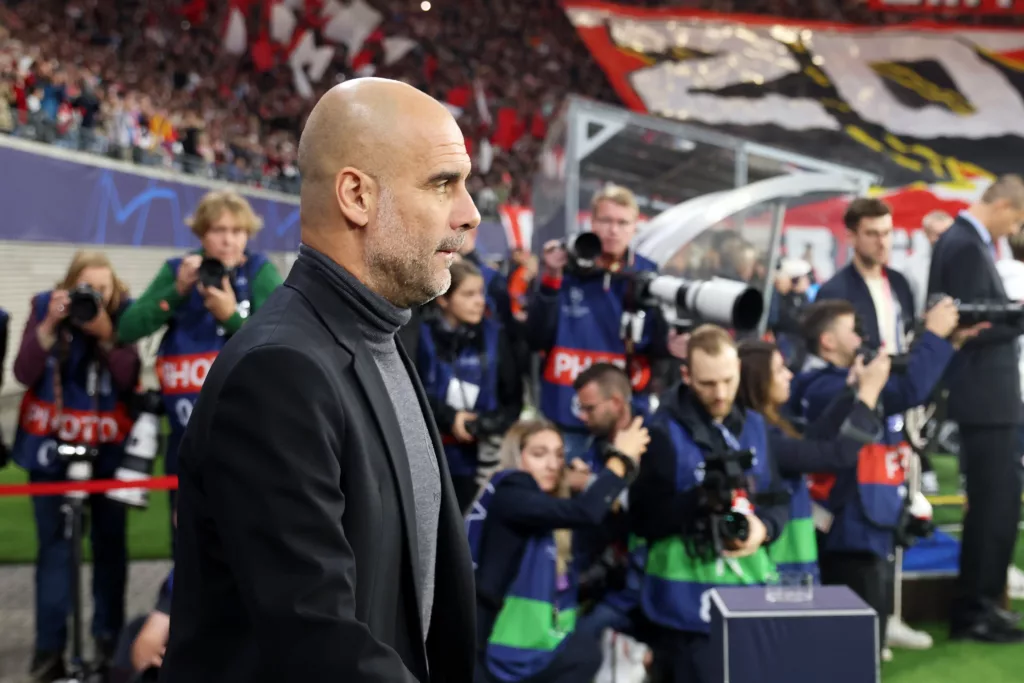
{"x": 696, "y": 420}
{"x": 576, "y": 319}
{"x": 74, "y": 368}
{"x": 866, "y": 500}
{"x": 203, "y": 298}
{"x": 522, "y": 538}
{"x": 473, "y": 382}
{"x": 934, "y": 225}
{"x": 830, "y": 444}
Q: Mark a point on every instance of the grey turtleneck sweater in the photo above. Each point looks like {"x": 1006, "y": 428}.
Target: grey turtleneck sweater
{"x": 379, "y": 321}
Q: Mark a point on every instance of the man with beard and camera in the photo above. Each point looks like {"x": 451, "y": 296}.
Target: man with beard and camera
{"x": 985, "y": 402}
{"x": 576, "y": 318}
{"x": 707, "y": 508}
{"x": 863, "y": 509}
{"x": 203, "y": 298}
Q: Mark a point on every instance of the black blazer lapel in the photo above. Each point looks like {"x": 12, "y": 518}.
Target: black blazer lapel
{"x": 972, "y": 234}
{"x": 387, "y": 423}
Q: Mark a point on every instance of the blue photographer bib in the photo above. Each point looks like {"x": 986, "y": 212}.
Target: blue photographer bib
{"x": 190, "y": 345}
{"x": 538, "y": 611}
{"x": 76, "y": 418}
{"x": 676, "y": 591}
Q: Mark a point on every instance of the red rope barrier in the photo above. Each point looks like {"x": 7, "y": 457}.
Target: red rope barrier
{"x": 60, "y": 488}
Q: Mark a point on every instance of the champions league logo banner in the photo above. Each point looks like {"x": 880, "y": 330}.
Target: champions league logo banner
{"x": 935, "y": 111}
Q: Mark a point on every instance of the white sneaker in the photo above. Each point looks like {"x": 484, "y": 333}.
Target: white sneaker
{"x": 929, "y": 483}
{"x": 898, "y": 634}
{"x": 886, "y": 654}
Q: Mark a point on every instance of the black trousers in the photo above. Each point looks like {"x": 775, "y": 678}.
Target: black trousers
{"x": 681, "y": 657}
{"x": 867, "y": 575}
{"x": 991, "y": 460}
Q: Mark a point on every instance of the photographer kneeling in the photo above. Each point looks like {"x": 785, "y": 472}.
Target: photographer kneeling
{"x": 203, "y": 298}
{"x": 78, "y": 379}
{"x": 521, "y": 534}
{"x": 470, "y": 376}
{"x": 708, "y": 501}
{"x": 864, "y": 505}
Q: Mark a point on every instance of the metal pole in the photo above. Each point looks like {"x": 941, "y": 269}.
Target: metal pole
{"x": 73, "y": 512}
{"x": 778, "y": 216}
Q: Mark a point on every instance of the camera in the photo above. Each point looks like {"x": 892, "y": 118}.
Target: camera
{"x": 484, "y": 426}
{"x": 212, "y": 272}
{"x": 717, "y": 524}
{"x": 683, "y": 302}
{"x": 140, "y": 450}
{"x": 720, "y": 301}
{"x": 982, "y": 311}
{"x": 84, "y": 305}
{"x": 899, "y": 362}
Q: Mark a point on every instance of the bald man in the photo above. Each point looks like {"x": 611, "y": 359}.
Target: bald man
{"x": 318, "y": 534}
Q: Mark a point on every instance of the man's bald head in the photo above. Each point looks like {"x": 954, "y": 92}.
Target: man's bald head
{"x": 384, "y": 170}
{"x": 360, "y": 123}
{"x": 1001, "y": 208}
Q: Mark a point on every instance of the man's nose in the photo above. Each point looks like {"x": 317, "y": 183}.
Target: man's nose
{"x": 465, "y": 215}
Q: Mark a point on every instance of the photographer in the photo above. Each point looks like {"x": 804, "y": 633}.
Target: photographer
{"x": 696, "y": 502}
{"x": 576, "y": 320}
{"x": 830, "y": 444}
{"x": 202, "y": 298}
{"x": 523, "y": 542}
{"x": 78, "y": 378}
{"x": 866, "y": 500}
{"x": 470, "y": 377}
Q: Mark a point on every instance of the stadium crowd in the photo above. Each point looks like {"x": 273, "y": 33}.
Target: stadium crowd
{"x": 149, "y": 81}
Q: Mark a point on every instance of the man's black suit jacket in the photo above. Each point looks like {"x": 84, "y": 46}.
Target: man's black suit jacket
{"x": 296, "y": 520}
{"x": 983, "y": 379}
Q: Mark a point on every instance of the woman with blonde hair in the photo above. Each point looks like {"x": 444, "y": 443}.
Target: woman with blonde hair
{"x": 520, "y": 534}
{"x": 78, "y": 379}
{"x": 203, "y": 298}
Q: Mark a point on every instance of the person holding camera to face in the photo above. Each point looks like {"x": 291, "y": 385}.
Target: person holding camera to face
{"x": 78, "y": 378}
{"x": 863, "y": 507}
{"x": 707, "y": 501}
{"x": 470, "y": 376}
{"x": 203, "y": 298}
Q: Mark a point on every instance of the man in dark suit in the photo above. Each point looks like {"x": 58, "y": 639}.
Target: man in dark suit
{"x": 985, "y": 400}
{"x": 318, "y": 535}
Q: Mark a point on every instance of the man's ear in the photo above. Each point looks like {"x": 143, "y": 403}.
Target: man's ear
{"x": 684, "y": 372}
{"x": 356, "y": 194}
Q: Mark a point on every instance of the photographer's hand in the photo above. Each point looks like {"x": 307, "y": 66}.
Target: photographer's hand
{"x": 965, "y": 334}
{"x": 757, "y": 537}
{"x": 632, "y": 441}
{"x": 459, "y": 430}
{"x": 57, "y": 311}
{"x": 219, "y": 300}
{"x": 101, "y": 327}
{"x": 942, "y": 318}
{"x": 577, "y": 475}
{"x": 188, "y": 273}
{"x": 872, "y": 379}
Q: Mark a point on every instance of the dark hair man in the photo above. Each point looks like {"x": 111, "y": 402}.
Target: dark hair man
{"x": 985, "y": 401}
{"x": 867, "y": 501}
{"x": 311, "y": 453}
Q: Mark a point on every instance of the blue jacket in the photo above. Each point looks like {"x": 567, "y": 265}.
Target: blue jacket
{"x": 866, "y": 500}
{"x": 511, "y": 518}
{"x": 577, "y": 322}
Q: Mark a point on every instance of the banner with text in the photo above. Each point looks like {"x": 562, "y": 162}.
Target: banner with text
{"x": 935, "y": 111}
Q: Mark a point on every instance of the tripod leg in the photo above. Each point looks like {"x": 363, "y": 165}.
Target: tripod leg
{"x": 73, "y": 532}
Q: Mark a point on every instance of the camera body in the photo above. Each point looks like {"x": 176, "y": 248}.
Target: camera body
{"x": 899, "y": 363}
{"x": 484, "y": 426}
{"x": 717, "y": 524}
{"x": 84, "y": 305}
{"x": 211, "y": 272}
